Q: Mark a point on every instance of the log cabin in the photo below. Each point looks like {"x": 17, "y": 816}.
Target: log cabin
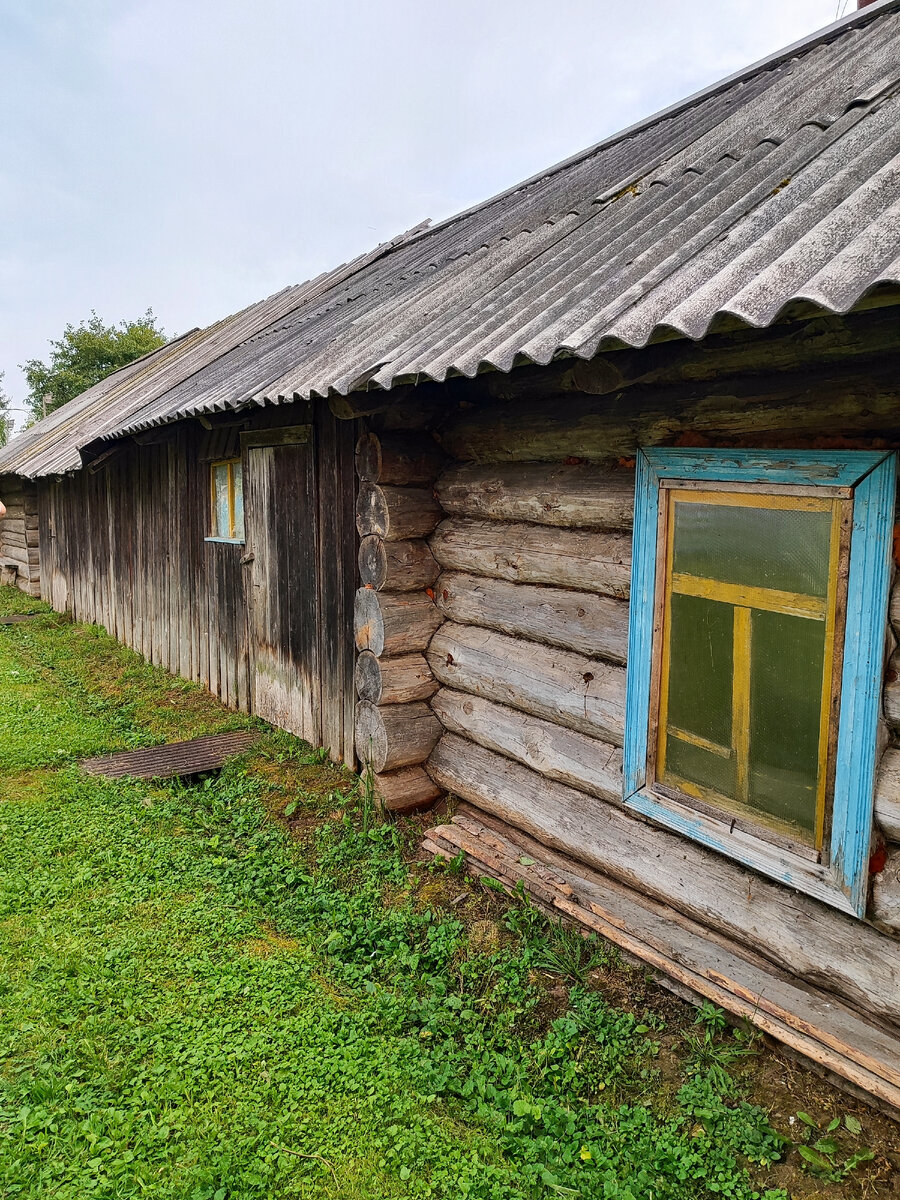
{"x": 580, "y": 507}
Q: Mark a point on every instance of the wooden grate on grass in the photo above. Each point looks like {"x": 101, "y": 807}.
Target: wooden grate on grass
{"x": 177, "y": 759}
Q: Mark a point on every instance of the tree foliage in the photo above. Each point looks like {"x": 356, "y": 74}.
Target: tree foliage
{"x": 5, "y": 418}
{"x": 84, "y": 355}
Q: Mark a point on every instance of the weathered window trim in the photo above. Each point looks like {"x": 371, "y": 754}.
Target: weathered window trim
{"x": 230, "y": 463}
{"x": 841, "y": 880}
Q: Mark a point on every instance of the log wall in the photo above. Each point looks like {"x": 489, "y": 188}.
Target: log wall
{"x": 19, "y": 537}
{"x": 395, "y": 615}
{"x": 535, "y": 558}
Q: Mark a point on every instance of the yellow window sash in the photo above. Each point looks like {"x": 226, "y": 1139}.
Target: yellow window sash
{"x": 743, "y": 600}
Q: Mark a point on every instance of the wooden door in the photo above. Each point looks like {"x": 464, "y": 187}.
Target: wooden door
{"x": 283, "y": 582}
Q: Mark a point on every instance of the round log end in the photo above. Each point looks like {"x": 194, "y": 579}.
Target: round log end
{"x": 372, "y": 515}
{"x": 368, "y": 622}
{"x": 371, "y": 736}
{"x": 368, "y": 458}
{"x": 368, "y": 677}
{"x": 373, "y": 564}
{"x": 408, "y": 790}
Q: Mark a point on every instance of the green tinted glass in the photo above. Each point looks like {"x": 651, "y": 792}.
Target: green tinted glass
{"x": 785, "y": 549}
{"x": 787, "y": 661}
{"x": 700, "y": 673}
{"x": 695, "y": 764}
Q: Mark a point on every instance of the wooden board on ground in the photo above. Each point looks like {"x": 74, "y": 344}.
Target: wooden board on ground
{"x": 15, "y": 618}
{"x": 831, "y": 1034}
{"x": 177, "y": 759}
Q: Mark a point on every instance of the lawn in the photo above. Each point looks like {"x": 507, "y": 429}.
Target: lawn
{"x": 249, "y": 987}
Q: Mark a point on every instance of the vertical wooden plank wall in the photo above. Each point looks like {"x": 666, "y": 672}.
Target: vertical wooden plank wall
{"x": 124, "y": 547}
{"x": 337, "y": 580}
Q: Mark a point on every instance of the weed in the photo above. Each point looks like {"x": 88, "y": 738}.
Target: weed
{"x": 570, "y": 953}
{"x": 824, "y": 1153}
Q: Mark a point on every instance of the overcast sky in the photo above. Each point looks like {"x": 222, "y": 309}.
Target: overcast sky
{"x": 196, "y": 155}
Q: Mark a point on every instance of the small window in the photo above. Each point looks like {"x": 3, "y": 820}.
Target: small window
{"x": 227, "y": 488}
{"x": 759, "y": 597}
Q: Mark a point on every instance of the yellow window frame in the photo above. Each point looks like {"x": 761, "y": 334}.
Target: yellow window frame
{"x": 744, "y": 600}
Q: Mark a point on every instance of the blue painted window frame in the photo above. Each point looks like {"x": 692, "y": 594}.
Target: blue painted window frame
{"x": 841, "y": 879}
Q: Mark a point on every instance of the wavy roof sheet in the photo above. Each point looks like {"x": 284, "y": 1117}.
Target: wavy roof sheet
{"x": 779, "y": 184}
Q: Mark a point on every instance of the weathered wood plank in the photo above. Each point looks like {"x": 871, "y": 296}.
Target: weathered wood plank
{"x": 399, "y": 735}
{"x": 393, "y": 680}
{"x": 573, "y": 496}
{"x": 824, "y": 947}
{"x": 596, "y": 626}
{"x": 395, "y": 513}
{"x": 579, "y": 693}
{"x": 557, "y": 753}
{"x": 593, "y": 561}
{"x": 389, "y": 624}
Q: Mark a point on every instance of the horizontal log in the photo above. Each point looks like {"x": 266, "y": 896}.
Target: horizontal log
{"x": 767, "y": 410}
{"x": 592, "y": 561}
{"x": 396, "y": 513}
{"x": 17, "y": 554}
{"x": 596, "y": 626}
{"x": 885, "y": 906}
{"x": 887, "y": 794}
{"x": 404, "y": 460}
{"x": 806, "y": 344}
{"x": 406, "y": 566}
{"x": 389, "y": 624}
{"x": 828, "y": 949}
{"x": 557, "y": 753}
{"x": 393, "y": 680}
{"x": 580, "y": 693}
{"x": 397, "y": 736}
{"x": 407, "y": 790}
{"x": 579, "y": 495}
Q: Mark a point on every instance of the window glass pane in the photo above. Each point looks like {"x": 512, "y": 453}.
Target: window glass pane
{"x": 785, "y": 549}
{"x": 785, "y": 709}
{"x": 238, "y": 501}
{"x": 700, "y": 652}
{"x": 694, "y": 764}
{"x": 220, "y": 485}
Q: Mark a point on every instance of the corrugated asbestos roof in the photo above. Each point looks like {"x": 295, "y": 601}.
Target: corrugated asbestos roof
{"x": 780, "y": 184}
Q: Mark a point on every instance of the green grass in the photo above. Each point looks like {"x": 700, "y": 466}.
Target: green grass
{"x": 196, "y": 1006}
